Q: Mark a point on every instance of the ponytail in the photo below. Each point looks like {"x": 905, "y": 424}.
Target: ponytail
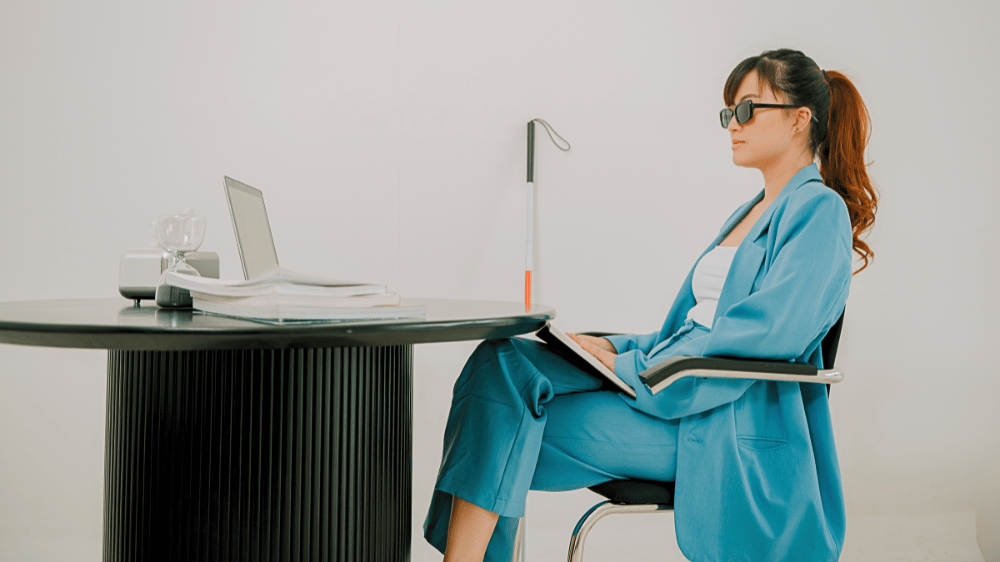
{"x": 842, "y": 158}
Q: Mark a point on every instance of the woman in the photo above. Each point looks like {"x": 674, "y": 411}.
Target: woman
{"x": 754, "y": 461}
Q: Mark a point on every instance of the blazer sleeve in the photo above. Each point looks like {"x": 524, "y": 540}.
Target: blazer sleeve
{"x": 799, "y": 297}
{"x": 802, "y": 293}
{"x": 634, "y": 342}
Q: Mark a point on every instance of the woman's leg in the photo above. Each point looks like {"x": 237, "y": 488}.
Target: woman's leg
{"x": 589, "y": 438}
{"x": 595, "y": 437}
{"x": 522, "y": 418}
{"x": 469, "y": 531}
{"x": 492, "y": 438}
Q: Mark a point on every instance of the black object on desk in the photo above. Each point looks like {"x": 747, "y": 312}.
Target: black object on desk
{"x": 233, "y": 440}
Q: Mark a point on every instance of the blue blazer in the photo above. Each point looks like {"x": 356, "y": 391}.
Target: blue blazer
{"x": 757, "y": 471}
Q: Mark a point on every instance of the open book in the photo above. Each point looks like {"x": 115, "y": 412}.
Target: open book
{"x": 572, "y": 352}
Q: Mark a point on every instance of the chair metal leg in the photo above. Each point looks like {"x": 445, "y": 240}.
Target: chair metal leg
{"x": 520, "y": 540}
{"x": 599, "y": 512}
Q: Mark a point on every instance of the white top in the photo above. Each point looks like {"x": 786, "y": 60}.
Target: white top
{"x": 709, "y": 276}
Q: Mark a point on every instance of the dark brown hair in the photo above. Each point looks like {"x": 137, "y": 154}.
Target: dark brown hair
{"x": 839, "y": 137}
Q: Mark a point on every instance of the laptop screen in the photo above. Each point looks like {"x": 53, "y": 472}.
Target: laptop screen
{"x": 253, "y": 232}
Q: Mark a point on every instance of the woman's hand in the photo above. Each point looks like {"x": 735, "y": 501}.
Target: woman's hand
{"x": 598, "y": 347}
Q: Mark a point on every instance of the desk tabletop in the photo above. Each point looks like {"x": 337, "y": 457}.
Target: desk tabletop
{"x": 118, "y": 324}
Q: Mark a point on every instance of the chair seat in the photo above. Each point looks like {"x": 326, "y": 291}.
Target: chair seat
{"x": 637, "y": 492}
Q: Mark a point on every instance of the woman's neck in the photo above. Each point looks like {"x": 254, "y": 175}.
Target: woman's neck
{"x": 777, "y": 176}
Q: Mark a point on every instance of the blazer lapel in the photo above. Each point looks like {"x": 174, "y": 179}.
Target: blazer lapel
{"x": 750, "y": 255}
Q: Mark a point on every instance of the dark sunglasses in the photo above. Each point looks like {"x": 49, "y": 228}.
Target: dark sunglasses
{"x": 744, "y": 112}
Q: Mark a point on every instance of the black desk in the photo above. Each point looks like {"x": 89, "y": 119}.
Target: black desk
{"x": 233, "y": 440}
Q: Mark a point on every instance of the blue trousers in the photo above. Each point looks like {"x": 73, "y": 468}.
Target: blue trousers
{"x": 524, "y": 418}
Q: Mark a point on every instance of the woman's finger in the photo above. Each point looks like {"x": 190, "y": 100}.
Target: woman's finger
{"x": 590, "y": 348}
{"x": 595, "y": 350}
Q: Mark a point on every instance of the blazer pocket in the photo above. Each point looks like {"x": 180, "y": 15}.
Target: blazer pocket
{"x": 760, "y": 443}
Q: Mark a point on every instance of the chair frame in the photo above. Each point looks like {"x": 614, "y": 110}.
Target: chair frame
{"x": 669, "y": 371}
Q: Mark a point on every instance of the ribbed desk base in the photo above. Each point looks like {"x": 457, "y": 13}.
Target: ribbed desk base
{"x": 290, "y": 455}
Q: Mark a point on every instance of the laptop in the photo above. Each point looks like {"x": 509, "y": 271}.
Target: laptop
{"x": 253, "y": 231}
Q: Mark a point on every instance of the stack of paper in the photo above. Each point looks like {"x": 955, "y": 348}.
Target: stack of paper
{"x": 282, "y": 295}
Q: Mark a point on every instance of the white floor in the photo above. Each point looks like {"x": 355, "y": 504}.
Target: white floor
{"x": 925, "y": 537}
{"x": 928, "y": 537}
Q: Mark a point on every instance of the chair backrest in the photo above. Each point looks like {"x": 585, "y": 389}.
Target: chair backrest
{"x": 831, "y": 341}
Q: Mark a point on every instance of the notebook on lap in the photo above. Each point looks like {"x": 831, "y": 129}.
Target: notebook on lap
{"x": 572, "y": 352}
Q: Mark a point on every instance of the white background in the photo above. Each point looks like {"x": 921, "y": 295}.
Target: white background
{"x": 389, "y": 139}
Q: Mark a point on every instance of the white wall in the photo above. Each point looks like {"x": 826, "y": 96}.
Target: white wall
{"x": 389, "y": 138}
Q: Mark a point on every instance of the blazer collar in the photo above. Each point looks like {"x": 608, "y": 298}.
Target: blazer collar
{"x": 750, "y": 256}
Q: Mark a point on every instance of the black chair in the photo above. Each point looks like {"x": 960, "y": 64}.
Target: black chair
{"x": 643, "y": 496}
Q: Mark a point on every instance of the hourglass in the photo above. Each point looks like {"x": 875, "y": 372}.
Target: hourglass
{"x": 179, "y": 235}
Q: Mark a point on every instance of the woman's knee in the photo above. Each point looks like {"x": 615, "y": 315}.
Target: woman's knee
{"x": 485, "y": 361}
{"x": 496, "y": 366}
{"x": 487, "y": 353}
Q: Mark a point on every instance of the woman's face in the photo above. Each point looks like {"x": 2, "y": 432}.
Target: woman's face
{"x": 766, "y": 139}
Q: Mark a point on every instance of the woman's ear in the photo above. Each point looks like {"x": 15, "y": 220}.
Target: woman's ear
{"x": 802, "y": 117}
